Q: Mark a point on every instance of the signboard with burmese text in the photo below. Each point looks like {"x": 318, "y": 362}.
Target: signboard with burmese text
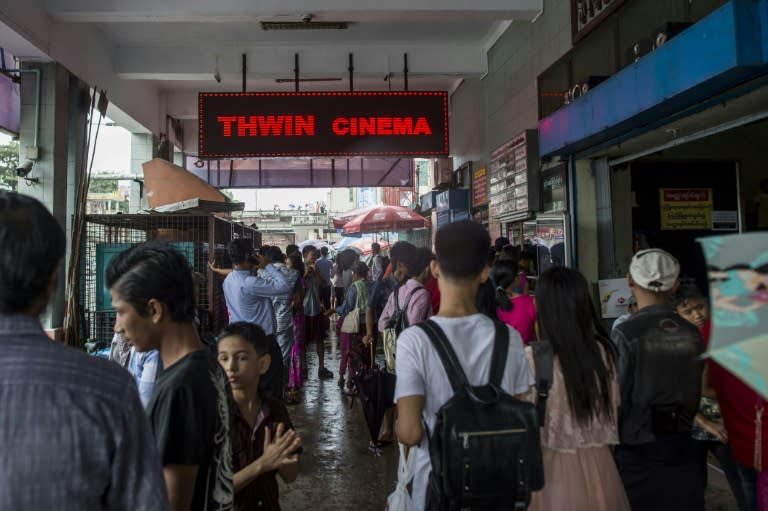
{"x": 285, "y": 124}
{"x": 686, "y": 208}
{"x": 479, "y": 187}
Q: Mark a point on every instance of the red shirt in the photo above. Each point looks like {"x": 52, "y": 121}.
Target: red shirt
{"x": 738, "y": 405}
{"x": 434, "y": 293}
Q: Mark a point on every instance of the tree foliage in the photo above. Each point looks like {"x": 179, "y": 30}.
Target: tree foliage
{"x": 9, "y": 162}
{"x": 103, "y": 186}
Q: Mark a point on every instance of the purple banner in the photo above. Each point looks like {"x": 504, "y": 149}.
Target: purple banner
{"x": 303, "y": 173}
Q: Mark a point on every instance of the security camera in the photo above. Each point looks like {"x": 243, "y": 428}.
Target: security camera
{"x": 306, "y": 18}
{"x": 25, "y": 168}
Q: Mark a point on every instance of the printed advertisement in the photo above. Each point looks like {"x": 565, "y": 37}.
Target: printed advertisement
{"x": 686, "y": 209}
{"x": 614, "y": 297}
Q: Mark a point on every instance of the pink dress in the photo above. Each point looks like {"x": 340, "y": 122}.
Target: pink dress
{"x": 579, "y": 471}
{"x": 522, "y": 316}
{"x": 297, "y": 348}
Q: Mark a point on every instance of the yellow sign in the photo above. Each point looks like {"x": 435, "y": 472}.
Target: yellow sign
{"x": 686, "y": 209}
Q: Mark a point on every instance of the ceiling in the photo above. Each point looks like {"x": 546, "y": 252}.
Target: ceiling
{"x": 153, "y": 56}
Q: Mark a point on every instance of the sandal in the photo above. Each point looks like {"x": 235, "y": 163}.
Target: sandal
{"x": 374, "y": 449}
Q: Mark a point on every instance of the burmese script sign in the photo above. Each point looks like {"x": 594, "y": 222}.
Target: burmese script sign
{"x": 479, "y": 187}
{"x": 686, "y": 209}
{"x": 262, "y": 124}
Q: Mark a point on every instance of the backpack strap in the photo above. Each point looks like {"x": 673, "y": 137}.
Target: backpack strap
{"x": 500, "y": 351}
{"x": 451, "y": 364}
{"x": 544, "y": 364}
{"x": 404, "y": 310}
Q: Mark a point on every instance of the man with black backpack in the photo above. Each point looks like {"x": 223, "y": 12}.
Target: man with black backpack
{"x": 458, "y": 377}
{"x": 409, "y": 304}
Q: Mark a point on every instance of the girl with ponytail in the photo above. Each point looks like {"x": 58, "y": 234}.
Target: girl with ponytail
{"x": 516, "y": 309}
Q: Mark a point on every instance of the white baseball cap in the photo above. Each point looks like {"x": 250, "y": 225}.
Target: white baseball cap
{"x": 655, "y": 270}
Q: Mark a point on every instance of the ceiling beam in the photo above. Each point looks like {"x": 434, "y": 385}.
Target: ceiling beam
{"x": 173, "y": 63}
{"x": 87, "y": 54}
{"x": 83, "y": 11}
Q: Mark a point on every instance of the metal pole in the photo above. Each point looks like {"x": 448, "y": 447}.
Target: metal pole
{"x": 351, "y": 70}
{"x": 245, "y": 69}
{"x": 296, "y": 70}
{"x": 405, "y": 70}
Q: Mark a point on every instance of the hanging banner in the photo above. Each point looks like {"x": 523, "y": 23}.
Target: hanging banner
{"x": 239, "y": 125}
{"x": 686, "y": 209}
{"x": 479, "y": 187}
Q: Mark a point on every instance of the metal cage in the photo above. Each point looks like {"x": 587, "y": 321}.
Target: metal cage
{"x": 200, "y": 238}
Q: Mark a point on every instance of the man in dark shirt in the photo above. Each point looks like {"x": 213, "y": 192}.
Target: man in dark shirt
{"x": 73, "y": 433}
{"x": 660, "y": 385}
{"x": 190, "y": 412}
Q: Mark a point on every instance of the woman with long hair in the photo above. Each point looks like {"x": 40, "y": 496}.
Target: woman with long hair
{"x": 582, "y": 408}
{"x": 513, "y": 306}
{"x": 295, "y": 367}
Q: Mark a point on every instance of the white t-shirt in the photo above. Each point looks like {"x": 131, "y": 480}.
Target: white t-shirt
{"x": 420, "y": 373}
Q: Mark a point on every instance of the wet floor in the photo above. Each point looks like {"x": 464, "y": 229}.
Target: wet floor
{"x": 336, "y": 471}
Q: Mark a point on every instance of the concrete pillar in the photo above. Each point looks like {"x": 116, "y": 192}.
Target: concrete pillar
{"x": 142, "y": 150}
{"x": 56, "y": 151}
{"x": 605, "y": 229}
{"x": 586, "y": 220}
{"x": 623, "y": 203}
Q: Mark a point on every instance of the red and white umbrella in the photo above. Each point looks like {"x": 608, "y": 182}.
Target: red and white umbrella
{"x": 342, "y": 218}
{"x": 386, "y": 218}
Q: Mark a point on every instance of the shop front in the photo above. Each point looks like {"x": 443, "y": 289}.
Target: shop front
{"x": 528, "y": 202}
{"x": 675, "y": 156}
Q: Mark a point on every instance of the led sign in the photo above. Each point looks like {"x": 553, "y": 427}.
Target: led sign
{"x": 262, "y": 124}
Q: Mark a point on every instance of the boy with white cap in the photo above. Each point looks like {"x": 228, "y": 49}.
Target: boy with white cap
{"x": 660, "y": 385}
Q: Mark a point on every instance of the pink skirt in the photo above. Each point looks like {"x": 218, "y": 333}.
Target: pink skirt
{"x": 584, "y": 480}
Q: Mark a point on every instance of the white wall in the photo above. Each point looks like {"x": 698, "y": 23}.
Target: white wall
{"x": 524, "y": 51}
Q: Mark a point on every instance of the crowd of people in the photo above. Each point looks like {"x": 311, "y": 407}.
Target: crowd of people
{"x": 626, "y": 420}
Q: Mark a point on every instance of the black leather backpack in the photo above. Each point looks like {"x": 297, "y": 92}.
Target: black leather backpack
{"x": 485, "y": 448}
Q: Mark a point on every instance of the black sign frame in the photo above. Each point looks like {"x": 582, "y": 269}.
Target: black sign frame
{"x": 301, "y": 124}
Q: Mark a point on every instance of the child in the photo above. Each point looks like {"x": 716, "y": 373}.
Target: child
{"x": 263, "y": 440}
{"x": 708, "y": 428}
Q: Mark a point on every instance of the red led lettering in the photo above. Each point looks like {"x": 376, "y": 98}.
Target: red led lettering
{"x": 384, "y": 126}
{"x": 304, "y": 126}
{"x": 270, "y": 125}
{"x": 422, "y": 127}
{"x": 340, "y": 126}
{"x": 227, "y": 121}
{"x": 366, "y": 126}
{"x": 402, "y": 125}
{"x": 249, "y": 125}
